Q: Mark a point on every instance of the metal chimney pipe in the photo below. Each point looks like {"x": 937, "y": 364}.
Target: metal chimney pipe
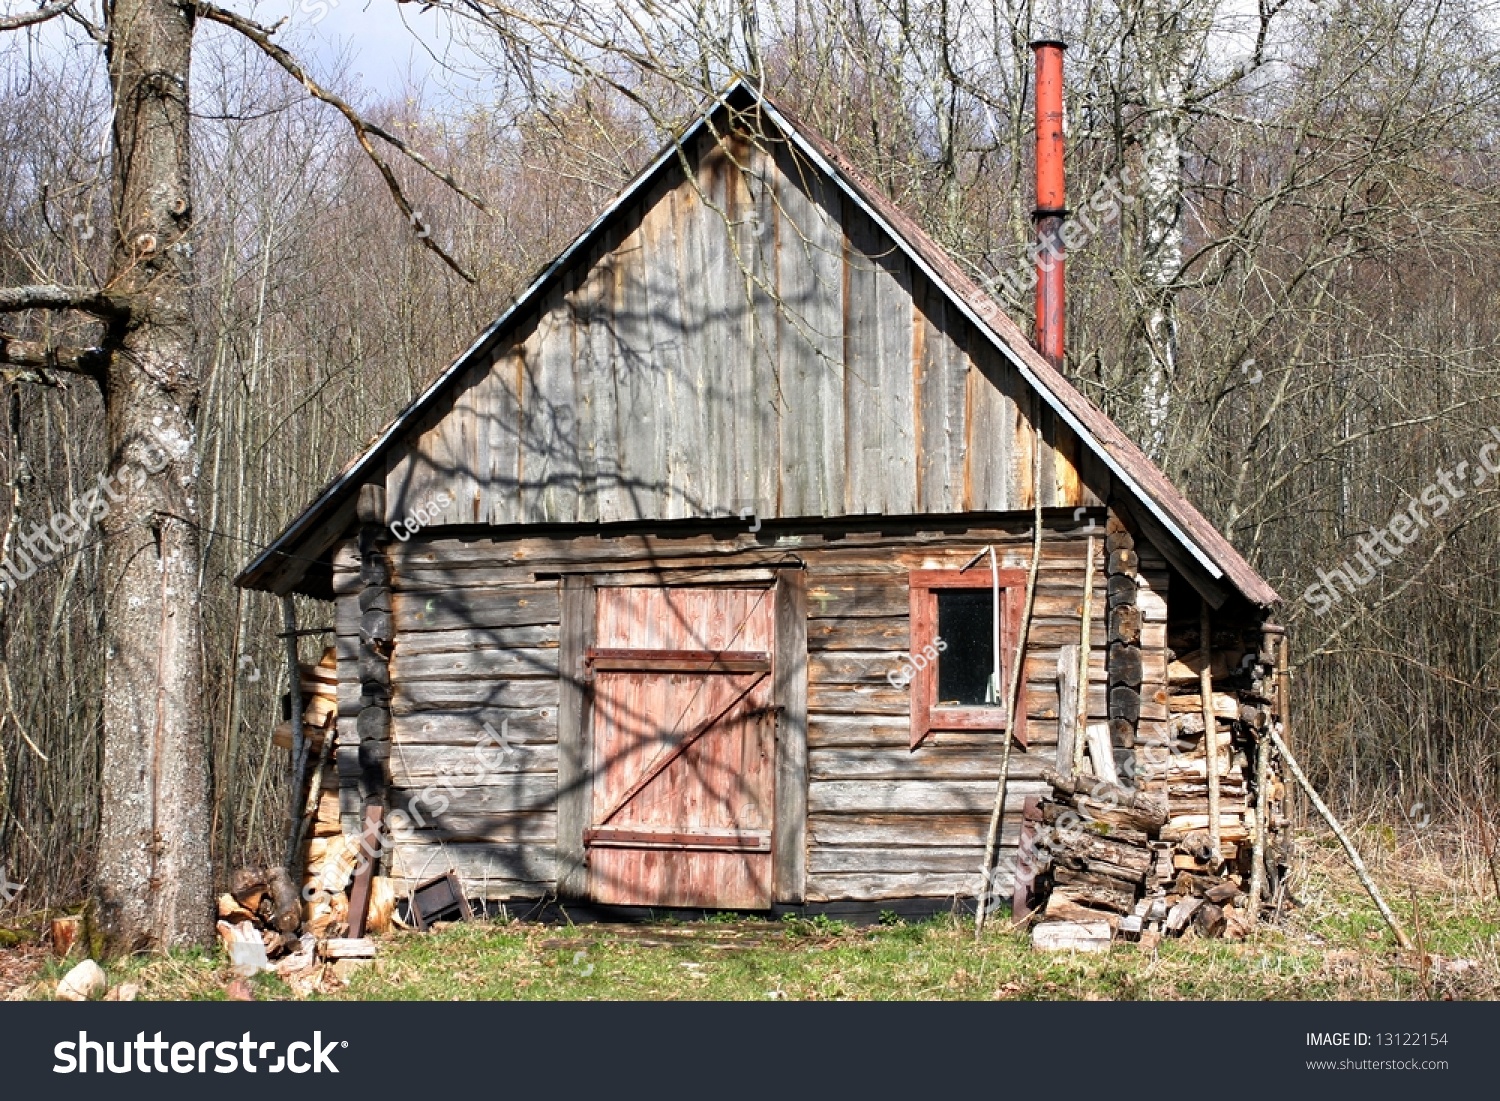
{"x": 1051, "y": 201}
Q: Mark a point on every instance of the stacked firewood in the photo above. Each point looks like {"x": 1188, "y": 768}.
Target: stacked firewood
{"x": 1093, "y": 843}
{"x": 1139, "y": 862}
{"x": 1192, "y": 881}
{"x": 266, "y": 903}
{"x": 328, "y": 857}
{"x": 262, "y": 904}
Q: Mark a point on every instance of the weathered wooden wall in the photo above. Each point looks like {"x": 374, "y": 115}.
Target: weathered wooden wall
{"x": 477, "y": 641}
{"x": 748, "y": 338}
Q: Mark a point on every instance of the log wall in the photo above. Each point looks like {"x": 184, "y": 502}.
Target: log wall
{"x": 477, "y": 632}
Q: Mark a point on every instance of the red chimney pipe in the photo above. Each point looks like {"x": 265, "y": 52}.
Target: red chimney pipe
{"x": 1051, "y": 201}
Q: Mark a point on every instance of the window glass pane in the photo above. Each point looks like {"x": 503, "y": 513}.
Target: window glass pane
{"x": 966, "y": 662}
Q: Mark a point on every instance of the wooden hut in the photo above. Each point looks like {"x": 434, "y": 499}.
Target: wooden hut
{"x": 655, "y": 597}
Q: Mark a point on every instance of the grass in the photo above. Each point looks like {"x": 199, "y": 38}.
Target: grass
{"x": 1334, "y": 947}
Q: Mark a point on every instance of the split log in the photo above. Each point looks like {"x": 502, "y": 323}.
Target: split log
{"x": 1209, "y": 920}
{"x": 1178, "y": 916}
{"x": 1196, "y": 886}
{"x": 1089, "y": 888}
{"x": 66, "y": 932}
{"x": 1225, "y": 706}
{"x": 1106, "y": 802}
{"x": 286, "y": 905}
{"x": 1083, "y": 850}
{"x": 231, "y": 911}
{"x": 1074, "y": 936}
{"x": 382, "y": 905}
{"x": 248, "y": 886}
{"x": 313, "y": 732}
{"x": 348, "y": 948}
{"x": 1223, "y": 893}
{"x": 1102, "y": 753}
{"x": 1188, "y": 669}
{"x": 1060, "y": 908}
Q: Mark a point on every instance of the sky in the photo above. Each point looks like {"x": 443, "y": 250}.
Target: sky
{"x": 388, "y": 42}
{"x": 391, "y": 45}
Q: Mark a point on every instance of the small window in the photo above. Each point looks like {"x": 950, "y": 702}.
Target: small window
{"x": 966, "y": 660}
{"x": 952, "y": 658}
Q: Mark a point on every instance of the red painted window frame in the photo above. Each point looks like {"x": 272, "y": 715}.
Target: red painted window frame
{"x": 926, "y": 716}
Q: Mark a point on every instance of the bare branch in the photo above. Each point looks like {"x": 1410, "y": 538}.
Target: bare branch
{"x": 32, "y": 18}
{"x": 39, "y": 363}
{"x": 92, "y": 29}
{"x": 364, "y": 129}
{"x": 50, "y": 297}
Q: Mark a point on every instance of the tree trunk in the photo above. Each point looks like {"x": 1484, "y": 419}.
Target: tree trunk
{"x": 1169, "y": 41}
{"x": 154, "y": 879}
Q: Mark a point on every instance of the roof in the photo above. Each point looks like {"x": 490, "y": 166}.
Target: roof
{"x": 1198, "y": 539}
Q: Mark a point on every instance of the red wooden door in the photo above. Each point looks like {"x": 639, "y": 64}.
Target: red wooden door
{"x": 684, "y": 736}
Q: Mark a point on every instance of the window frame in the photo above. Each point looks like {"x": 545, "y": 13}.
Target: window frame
{"x": 926, "y": 715}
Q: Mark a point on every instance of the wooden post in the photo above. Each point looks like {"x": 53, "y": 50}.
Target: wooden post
{"x": 299, "y": 735}
{"x": 1258, "y": 851}
{"x": 575, "y": 748}
{"x": 1210, "y": 730}
{"x": 310, "y": 806}
{"x": 1069, "y": 729}
{"x": 789, "y": 823}
{"x": 364, "y": 876}
{"x": 1013, "y": 695}
{"x": 1083, "y": 658}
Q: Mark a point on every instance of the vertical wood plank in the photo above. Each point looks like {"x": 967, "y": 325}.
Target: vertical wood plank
{"x": 491, "y": 411}
{"x": 990, "y": 479}
{"x": 789, "y": 830}
{"x": 575, "y": 781}
{"x": 694, "y": 402}
{"x": 941, "y": 370}
{"x": 1067, "y": 707}
{"x": 583, "y": 303}
{"x": 880, "y": 445}
{"x": 758, "y": 238}
{"x": 641, "y": 380}
{"x": 729, "y": 430}
{"x": 809, "y": 306}
{"x": 605, "y": 343}
{"x": 550, "y": 464}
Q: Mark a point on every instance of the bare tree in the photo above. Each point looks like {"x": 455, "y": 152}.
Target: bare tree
{"x": 132, "y": 334}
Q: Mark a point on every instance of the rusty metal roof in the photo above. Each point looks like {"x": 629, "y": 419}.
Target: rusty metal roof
{"x": 1196, "y": 536}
